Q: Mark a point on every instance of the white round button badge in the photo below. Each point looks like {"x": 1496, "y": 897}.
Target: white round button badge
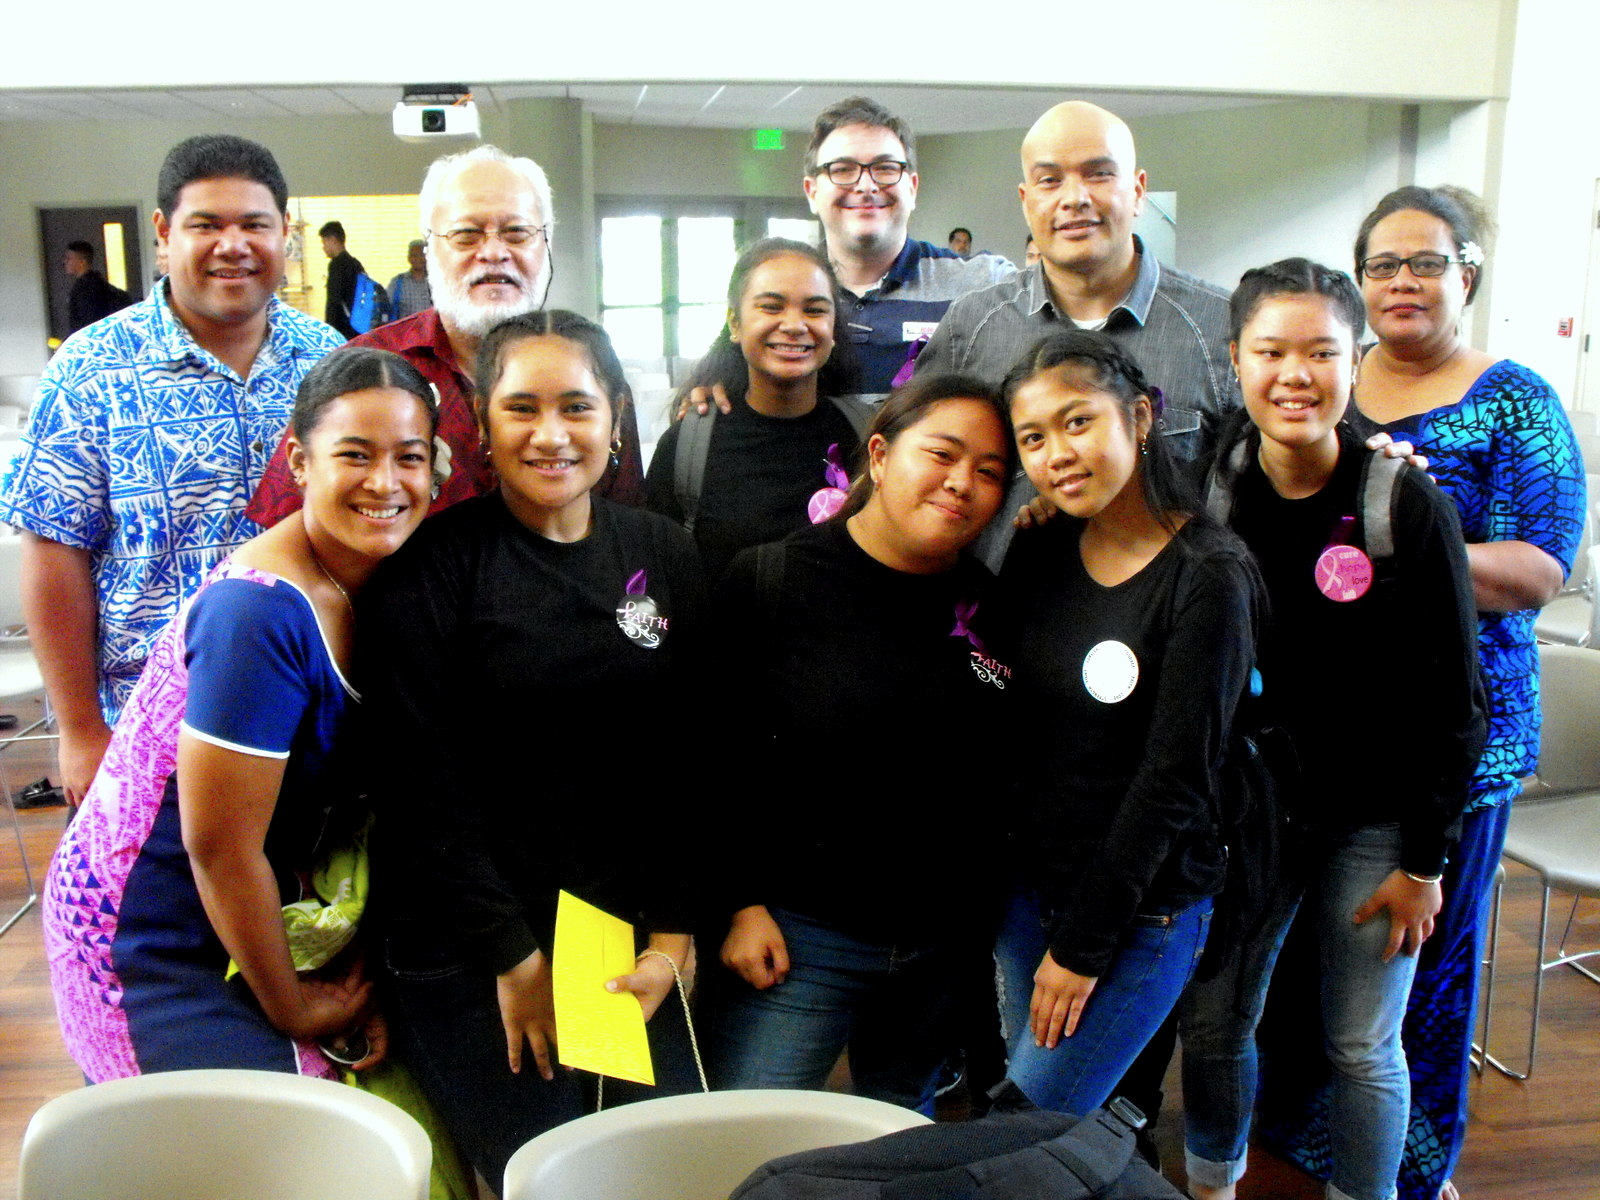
{"x": 1110, "y": 672}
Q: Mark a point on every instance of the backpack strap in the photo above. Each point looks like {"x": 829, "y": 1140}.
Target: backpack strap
{"x": 770, "y": 558}
{"x": 689, "y": 461}
{"x": 1224, "y": 476}
{"x": 1098, "y": 1149}
{"x": 858, "y": 411}
{"x": 1379, "y": 489}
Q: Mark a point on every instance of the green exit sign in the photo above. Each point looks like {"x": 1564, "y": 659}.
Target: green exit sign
{"x": 767, "y": 139}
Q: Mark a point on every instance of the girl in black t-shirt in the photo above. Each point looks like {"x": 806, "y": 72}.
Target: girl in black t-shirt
{"x": 863, "y": 704}
{"x": 1133, "y": 639}
{"x": 749, "y": 474}
{"x": 1298, "y": 487}
{"x": 506, "y": 654}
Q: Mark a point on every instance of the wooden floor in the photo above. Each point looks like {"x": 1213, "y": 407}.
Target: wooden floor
{"x": 1539, "y": 1139}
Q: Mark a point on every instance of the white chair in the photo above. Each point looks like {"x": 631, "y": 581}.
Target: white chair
{"x": 205, "y": 1135}
{"x": 696, "y": 1147}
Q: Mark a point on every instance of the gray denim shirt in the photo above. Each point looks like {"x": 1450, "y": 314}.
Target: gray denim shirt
{"x": 1173, "y": 324}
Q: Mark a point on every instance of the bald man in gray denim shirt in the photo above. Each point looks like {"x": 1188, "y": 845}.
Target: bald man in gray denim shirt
{"x": 1081, "y": 193}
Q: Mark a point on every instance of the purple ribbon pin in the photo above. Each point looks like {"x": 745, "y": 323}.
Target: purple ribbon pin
{"x": 826, "y": 501}
{"x": 964, "y": 613}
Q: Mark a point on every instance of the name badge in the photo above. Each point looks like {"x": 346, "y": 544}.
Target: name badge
{"x": 910, "y": 331}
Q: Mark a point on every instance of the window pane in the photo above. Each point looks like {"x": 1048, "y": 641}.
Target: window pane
{"x": 799, "y": 229}
{"x": 698, "y": 327}
{"x": 705, "y": 259}
{"x": 635, "y": 332}
{"x": 630, "y": 261}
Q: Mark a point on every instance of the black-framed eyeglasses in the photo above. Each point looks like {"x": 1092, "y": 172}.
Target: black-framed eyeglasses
{"x": 845, "y": 171}
{"x": 1423, "y": 266}
{"x": 466, "y": 237}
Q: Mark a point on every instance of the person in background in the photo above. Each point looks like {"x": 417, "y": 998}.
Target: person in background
{"x": 832, "y": 647}
{"x": 1030, "y": 252}
{"x": 92, "y": 297}
{"x": 1130, "y": 623}
{"x": 148, "y": 434}
{"x": 487, "y": 217}
{"x": 1501, "y": 447}
{"x": 789, "y": 434}
{"x": 408, "y": 291}
{"x": 961, "y": 241}
{"x": 552, "y": 614}
{"x": 229, "y": 778}
{"x": 343, "y": 270}
{"x": 1291, "y": 479}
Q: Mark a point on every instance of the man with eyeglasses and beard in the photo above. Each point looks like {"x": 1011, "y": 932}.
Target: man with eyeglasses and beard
{"x": 486, "y": 218}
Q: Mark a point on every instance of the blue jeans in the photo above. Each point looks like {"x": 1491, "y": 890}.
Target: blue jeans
{"x": 1154, "y": 959}
{"x": 891, "y": 1005}
{"x": 1363, "y": 1002}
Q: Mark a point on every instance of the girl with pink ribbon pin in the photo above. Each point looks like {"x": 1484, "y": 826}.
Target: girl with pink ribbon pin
{"x": 1356, "y": 551}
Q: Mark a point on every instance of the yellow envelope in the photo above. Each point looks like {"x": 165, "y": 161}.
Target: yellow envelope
{"x": 596, "y": 1030}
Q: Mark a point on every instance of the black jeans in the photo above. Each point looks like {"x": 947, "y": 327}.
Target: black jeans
{"x": 446, "y": 1028}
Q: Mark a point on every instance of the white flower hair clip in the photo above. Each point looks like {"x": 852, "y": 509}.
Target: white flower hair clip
{"x": 1472, "y": 254}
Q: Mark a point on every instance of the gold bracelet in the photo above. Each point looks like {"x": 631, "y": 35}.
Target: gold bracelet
{"x": 1422, "y": 878}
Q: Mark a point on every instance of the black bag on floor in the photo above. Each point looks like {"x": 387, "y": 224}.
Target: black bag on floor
{"x": 1016, "y": 1155}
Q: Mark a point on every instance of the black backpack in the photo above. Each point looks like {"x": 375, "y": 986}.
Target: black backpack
{"x": 1021, "y": 1154}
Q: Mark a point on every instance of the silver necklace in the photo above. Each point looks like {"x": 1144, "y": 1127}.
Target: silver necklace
{"x": 328, "y": 575}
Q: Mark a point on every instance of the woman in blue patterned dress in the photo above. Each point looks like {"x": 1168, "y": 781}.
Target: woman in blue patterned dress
{"x": 220, "y": 786}
{"x": 1501, "y": 447}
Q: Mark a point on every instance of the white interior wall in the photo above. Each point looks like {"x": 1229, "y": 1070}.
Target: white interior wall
{"x": 69, "y": 163}
{"x": 1267, "y": 181}
{"x": 1551, "y": 160}
{"x": 1375, "y": 48}
{"x": 1535, "y": 154}
{"x": 971, "y": 179}
{"x": 116, "y": 163}
{"x": 657, "y": 161}
{"x": 1255, "y": 184}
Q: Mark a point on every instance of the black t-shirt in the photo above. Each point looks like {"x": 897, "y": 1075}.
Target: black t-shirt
{"x": 1126, "y": 696}
{"x": 760, "y": 474}
{"x": 862, "y": 708}
{"x": 1380, "y": 694}
{"x": 508, "y": 699}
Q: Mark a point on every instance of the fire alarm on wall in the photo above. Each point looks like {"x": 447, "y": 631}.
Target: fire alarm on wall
{"x": 1564, "y": 327}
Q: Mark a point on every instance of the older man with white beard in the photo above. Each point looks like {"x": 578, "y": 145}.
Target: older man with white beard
{"x": 487, "y": 217}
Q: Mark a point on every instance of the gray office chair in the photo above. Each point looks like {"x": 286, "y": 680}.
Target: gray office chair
{"x": 1554, "y": 829}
